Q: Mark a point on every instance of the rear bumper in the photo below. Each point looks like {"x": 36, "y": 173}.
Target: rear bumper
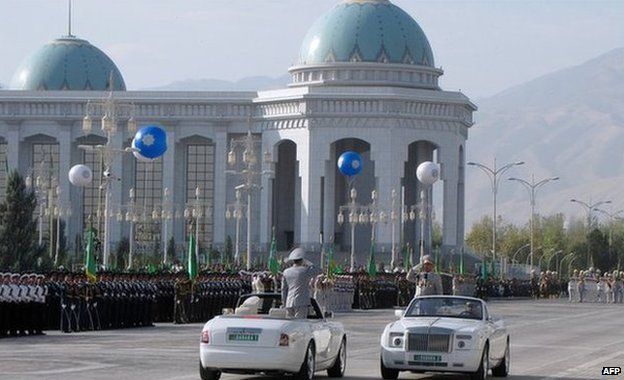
{"x": 251, "y": 359}
{"x": 457, "y": 361}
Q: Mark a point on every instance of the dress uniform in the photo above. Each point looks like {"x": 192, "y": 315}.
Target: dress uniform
{"x": 296, "y": 285}
{"x": 573, "y": 287}
{"x": 427, "y": 282}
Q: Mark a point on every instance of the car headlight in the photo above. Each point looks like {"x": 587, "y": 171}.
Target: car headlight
{"x": 395, "y": 340}
{"x": 463, "y": 341}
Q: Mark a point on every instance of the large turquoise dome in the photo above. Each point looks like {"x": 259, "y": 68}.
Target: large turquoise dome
{"x": 366, "y": 31}
{"x": 68, "y": 63}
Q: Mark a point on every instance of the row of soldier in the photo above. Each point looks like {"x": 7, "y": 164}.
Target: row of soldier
{"x": 593, "y": 286}
{"x": 22, "y": 304}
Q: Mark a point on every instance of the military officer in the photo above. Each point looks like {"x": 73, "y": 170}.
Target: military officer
{"x": 296, "y": 284}
{"x": 573, "y": 287}
{"x": 427, "y": 281}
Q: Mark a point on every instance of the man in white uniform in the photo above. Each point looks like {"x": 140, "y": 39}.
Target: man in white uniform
{"x": 428, "y": 282}
{"x": 296, "y": 283}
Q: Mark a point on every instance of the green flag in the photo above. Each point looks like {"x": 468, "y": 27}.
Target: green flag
{"x": 372, "y": 267}
{"x": 151, "y": 268}
{"x": 407, "y": 262}
{"x": 192, "y": 258}
{"x": 461, "y": 261}
{"x": 274, "y": 266}
{"x": 484, "y": 271}
{"x": 90, "y": 266}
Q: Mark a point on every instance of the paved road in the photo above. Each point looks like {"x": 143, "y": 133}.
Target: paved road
{"x": 550, "y": 340}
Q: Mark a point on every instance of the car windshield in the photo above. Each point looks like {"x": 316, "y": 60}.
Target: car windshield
{"x": 445, "y": 307}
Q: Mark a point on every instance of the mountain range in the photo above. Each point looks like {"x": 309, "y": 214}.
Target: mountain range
{"x": 255, "y": 83}
{"x": 570, "y": 124}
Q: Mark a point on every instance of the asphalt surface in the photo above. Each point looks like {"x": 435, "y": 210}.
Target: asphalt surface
{"x": 549, "y": 340}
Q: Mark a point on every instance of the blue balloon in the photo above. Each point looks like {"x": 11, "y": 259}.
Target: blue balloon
{"x": 350, "y": 163}
{"x": 151, "y": 141}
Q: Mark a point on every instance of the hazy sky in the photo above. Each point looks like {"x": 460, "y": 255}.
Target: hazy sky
{"x": 483, "y": 46}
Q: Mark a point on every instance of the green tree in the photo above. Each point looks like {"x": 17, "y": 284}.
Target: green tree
{"x": 479, "y": 238}
{"x": 599, "y": 250}
{"x": 18, "y": 227}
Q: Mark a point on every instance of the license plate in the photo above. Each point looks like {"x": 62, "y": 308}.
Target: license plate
{"x": 428, "y": 358}
{"x": 243, "y": 335}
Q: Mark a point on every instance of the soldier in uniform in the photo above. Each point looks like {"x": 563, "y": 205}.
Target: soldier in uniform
{"x": 573, "y": 287}
{"x": 183, "y": 290}
{"x": 296, "y": 284}
{"x": 427, "y": 281}
{"x": 581, "y": 287}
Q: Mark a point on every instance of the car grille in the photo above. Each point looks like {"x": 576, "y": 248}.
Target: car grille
{"x": 428, "y": 342}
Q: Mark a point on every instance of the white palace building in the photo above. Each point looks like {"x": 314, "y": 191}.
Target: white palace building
{"x": 365, "y": 80}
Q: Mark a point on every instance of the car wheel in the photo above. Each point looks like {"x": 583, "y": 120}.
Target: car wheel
{"x": 502, "y": 370}
{"x": 309, "y": 362}
{"x": 208, "y": 374}
{"x": 482, "y": 372}
{"x": 340, "y": 365}
{"x": 388, "y": 373}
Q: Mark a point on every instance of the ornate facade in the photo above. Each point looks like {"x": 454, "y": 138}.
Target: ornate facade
{"x": 385, "y": 106}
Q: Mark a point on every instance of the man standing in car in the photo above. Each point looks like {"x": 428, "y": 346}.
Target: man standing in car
{"x": 427, "y": 282}
{"x": 296, "y": 284}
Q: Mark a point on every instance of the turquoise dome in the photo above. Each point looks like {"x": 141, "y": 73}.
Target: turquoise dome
{"x": 68, "y": 63}
{"x": 366, "y": 31}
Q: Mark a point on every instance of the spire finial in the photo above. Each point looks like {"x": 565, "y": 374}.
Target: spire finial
{"x": 69, "y": 18}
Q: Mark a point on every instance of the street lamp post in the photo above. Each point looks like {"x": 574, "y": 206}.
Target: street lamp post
{"x": 236, "y": 211}
{"x": 394, "y": 217}
{"x": 352, "y": 209}
{"x": 250, "y": 174}
{"x": 513, "y": 258}
{"x": 111, "y": 110}
{"x": 360, "y": 214}
{"x": 569, "y": 255}
{"x": 57, "y": 210}
{"x": 551, "y": 257}
{"x": 589, "y": 207}
{"x": 132, "y": 218}
{"x": 532, "y": 188}
{"x": 494, "y": 175}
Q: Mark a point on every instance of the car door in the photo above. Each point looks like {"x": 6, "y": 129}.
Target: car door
{"x": 321, "y": 330}
{"x": 496, "y": 334}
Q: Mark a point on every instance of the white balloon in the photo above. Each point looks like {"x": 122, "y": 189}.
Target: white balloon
{"x": 428, "y": 173}
{"x": 80, "y": 175}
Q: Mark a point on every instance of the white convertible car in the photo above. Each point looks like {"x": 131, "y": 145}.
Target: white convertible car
{"x": 445, "y": 334}
{"x": 259, "y": 338}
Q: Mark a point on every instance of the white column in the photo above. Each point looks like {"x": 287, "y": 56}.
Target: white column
{"x": 389, "y": 168}
{"x": 329, "y": 212}
{"x": 220, "y": 186}
{"x": 311, "y": 168}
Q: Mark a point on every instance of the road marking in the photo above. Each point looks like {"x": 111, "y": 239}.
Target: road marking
{"x": 587, "y": 365}
{"x": 86, "y": 366}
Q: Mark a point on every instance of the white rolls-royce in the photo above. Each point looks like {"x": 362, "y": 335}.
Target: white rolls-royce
{"x": 445, "y": 334}
{"x": 258, "y": 337}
